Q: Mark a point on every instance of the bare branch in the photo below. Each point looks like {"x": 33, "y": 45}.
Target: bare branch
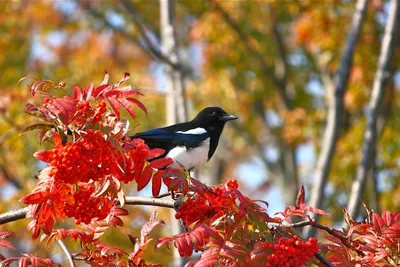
{"x": 336, "y": 110}
{"x": 283, "y": 65}
{"x": 378, "y": 91}
{"x": 153, "y": 48}
{"x": 9, "y": 177}
{"x": 150, "y": 201}
{"x": 67, "y": 252}
{"x": 13, "y": 215}
{"x": 148, "y": 47}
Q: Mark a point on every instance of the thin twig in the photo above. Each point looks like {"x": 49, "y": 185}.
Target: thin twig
{"x": 323, "y": 260}
{"x": 67, "y": 252}
{"x": 154, "y": 49}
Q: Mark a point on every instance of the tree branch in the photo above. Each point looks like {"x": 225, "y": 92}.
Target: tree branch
{"x": 266, "y": 68}
{"x": 336, "y": 111}
{"x": 67, "y": 252}
{"x": 378, "y": 91}
{"x": 150, "y": 201}
{"x": 148, "y": 47}
{"x": 15, "y": 215}
{"x": 154, "y": 49}
{"x": 323, "y": 260}
{"x": 312, "y": 223}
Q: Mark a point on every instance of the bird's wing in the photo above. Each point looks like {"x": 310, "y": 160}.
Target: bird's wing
{"x": 167, "y": 140}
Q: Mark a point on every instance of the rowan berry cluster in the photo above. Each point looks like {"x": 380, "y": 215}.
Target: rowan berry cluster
{"x": 204, "y": 206}
{"x": 90, "y": 158}
{"x": 83, "y": 107}
{"x": 101, "y": 109}
{"x": 85, "y": 207}
{"x": 290, "y": 252}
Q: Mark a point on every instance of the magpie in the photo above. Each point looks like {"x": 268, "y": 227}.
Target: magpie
{"x": 192, "y": 143}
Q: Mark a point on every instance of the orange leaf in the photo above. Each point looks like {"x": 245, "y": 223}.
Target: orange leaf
{"x": 36, "y": 198}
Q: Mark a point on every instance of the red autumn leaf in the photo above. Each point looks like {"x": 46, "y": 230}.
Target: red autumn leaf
{"x": 88, "y": 91}
{"x": 77, "y": 93}
{"x": 23, "y": 262}
{"x": 315, "y": 210}
{"x": 136, "y": 257}
{"x": 45, "y": 213}
{"x": 6, "y": 244}
{"x": 377, "y": 222}
{"x": 156, "y": 184}
{"x": 44, "y": 155}
{"x": 36, "y": 197}
{"x": 393, "y": 231}
{"x": 145, "y": 178}
{"x": 119, "y": 211}
{"x": 5, "y": 234}
{"x": 208, "y": 258}
{"x": 300, "y": 203}
{"x": 48, "y": 226}
{"x": 138, "y": 103}
{"x": 28, "y": 260}
{"x": 114, "y": 220}
{"x": 387, "y": 218}
{"x": 100, "y": 89}
{"x": 300, "y": 198}
{"x": 185, "y": 242}
{"x": 105, "y": 248}
{"x": 122, "y": 92}
{"x": 124, "y": 78}
{"x": 154, "y": 153}
{"x": 114, "y": 105}
{"x": 161, "y": 163}
{"x": 149, "y": 226}
{"x": 127, "y": 106}
{"x": 106, "y": 78}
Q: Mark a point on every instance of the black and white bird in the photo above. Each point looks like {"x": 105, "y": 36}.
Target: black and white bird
{"x": 190, "y": 143}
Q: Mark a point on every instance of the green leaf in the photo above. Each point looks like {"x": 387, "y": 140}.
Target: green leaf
{"x": 40, "y": 126}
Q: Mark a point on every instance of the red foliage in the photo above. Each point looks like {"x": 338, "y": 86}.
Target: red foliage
{"x": 29, "y": 260}
{"x": 91, "y": 158}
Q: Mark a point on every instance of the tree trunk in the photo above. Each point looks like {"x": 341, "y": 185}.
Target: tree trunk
{"x": 378, "y": 91}
{"x": 176, "y": 101}
{"x": 335, "y": 112}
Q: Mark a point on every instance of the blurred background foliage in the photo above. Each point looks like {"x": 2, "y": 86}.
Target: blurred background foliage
{"x": 269, "y": 62}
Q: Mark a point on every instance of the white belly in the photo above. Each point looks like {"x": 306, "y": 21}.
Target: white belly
{"x": 191, "y": 158}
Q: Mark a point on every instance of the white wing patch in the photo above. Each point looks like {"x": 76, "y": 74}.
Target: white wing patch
{"x": 192, "y": 158}
{"x": 194, "y": 131}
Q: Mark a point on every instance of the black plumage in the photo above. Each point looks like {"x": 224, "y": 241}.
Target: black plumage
{"x": 190, "y": 143}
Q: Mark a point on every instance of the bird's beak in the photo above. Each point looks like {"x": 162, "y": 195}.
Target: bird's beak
{"x": 228, "y": 117}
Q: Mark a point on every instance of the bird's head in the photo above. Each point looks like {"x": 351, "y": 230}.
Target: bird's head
{"x": 213, "y": 118}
